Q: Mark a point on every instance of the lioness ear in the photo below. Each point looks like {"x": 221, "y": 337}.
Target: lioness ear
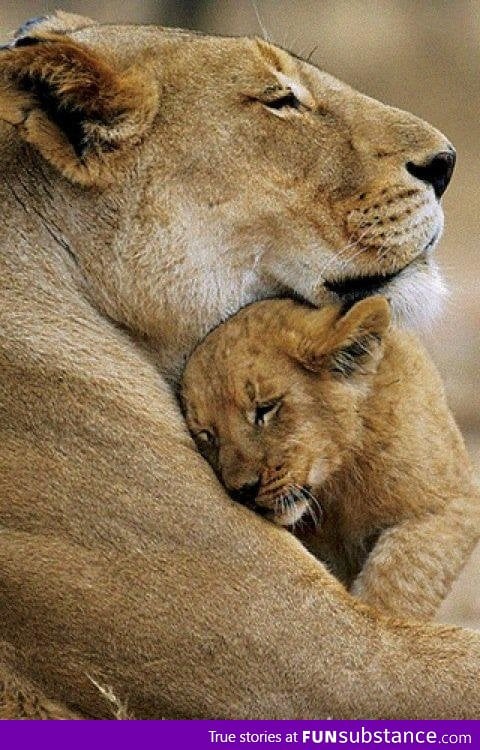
{"x": 71, "y": 104}
{"x": 343, "y": 344}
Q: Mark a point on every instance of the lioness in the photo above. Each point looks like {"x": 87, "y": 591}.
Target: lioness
{"x": 303, "y": 411}
{"x": 153, "y": 182}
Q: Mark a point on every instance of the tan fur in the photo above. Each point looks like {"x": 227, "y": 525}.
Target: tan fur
{"x": 21, "y": 700}
{"x": 112, "y": 111}
{"x": 114, "y": 569}
{"x": 356, "y": 437}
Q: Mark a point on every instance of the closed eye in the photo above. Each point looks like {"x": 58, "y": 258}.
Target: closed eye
{"x": 287, "y": 100}
{"x": 265, "y": 412}
{"x": 205, "y": 437}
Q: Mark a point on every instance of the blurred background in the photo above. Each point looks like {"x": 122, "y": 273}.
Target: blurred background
{"x": 420, "y": 55}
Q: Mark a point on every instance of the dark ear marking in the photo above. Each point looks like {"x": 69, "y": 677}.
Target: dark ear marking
{"x": 70, "y": 122}
{"x": 74, "y": 104}
{"x": 357, "y": 336}
{"x": 59, "y": 22}
{"x": 48, "y": 83}
{"x": 26, "y": 41}
{"x": 67, "y": 92}
{"x": 29, "y": 25}
{"x": 354, "y": 357}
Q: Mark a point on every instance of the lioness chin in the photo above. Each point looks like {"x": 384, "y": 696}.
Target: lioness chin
{"x": 335, "y": 420}
{"x": 153, "y": 182}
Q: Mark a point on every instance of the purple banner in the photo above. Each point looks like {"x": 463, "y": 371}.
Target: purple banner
{"x": 237, "y": 735}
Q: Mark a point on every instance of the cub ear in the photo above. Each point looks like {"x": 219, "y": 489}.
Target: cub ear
{"x": 356, "y": 340}
{"x": 69, "y": 102}
{"x": 344, "y": 344}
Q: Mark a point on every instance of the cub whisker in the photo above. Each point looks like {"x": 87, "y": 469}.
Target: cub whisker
{"x": 315, "y": 510}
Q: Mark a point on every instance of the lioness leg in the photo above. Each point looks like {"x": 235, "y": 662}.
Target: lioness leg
{"x": 412, "y": 566}
{"x": 178, "y": 633}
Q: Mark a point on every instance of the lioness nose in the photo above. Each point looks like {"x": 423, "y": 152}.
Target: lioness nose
{"x": 247, "y": 493}
{"x": 436, "y": 171}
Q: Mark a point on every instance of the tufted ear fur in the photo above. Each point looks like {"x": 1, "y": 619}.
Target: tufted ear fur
{"x": 343, "y": 344}
{"x": 58, "y": 21}
{"x": 68, "y": 101}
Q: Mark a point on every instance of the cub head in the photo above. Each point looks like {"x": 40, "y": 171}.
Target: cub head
{"x": 216, "y": 172}
{"x": 271, "y": 398}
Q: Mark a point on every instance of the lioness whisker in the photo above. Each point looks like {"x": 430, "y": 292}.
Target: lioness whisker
{"x": 339, "y": 257}
{"x": 351, "y": 244}
{"x": 262, "y": 26}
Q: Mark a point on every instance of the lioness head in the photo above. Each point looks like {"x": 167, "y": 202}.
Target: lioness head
{"x": 271, "y": 398}
{"x": 192, "y": 175}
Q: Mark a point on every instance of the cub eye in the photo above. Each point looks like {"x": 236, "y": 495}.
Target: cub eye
{"x": 286, "y": 100}
{"x": 206, "y": 437}
{"x": 265, "y": 412}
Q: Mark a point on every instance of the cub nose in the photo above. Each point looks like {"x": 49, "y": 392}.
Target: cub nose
{"x": 247, "y": 493}
{"x": 436, "y": 171}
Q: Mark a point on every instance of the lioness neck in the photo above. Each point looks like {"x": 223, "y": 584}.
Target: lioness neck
{"x": 58, "y": 236}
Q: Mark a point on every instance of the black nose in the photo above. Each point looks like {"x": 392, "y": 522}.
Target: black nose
{"x": 436, "y": 171}
{"x": 247, "y": 493}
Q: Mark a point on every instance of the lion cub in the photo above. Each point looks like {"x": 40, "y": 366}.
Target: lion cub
{"x": 336, "y": 421}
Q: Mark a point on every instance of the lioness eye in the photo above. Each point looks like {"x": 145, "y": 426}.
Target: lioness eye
{"x": 286, "y": 100}
{"x": 264, "y": 412}
{"x": 205, "y": 436}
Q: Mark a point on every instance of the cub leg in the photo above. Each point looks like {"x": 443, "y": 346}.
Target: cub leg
{"x": 413, "y": 565}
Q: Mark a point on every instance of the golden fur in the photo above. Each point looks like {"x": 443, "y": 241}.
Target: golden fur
{"x": 149, "y": 190}
{"x": 333, "y": 418}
